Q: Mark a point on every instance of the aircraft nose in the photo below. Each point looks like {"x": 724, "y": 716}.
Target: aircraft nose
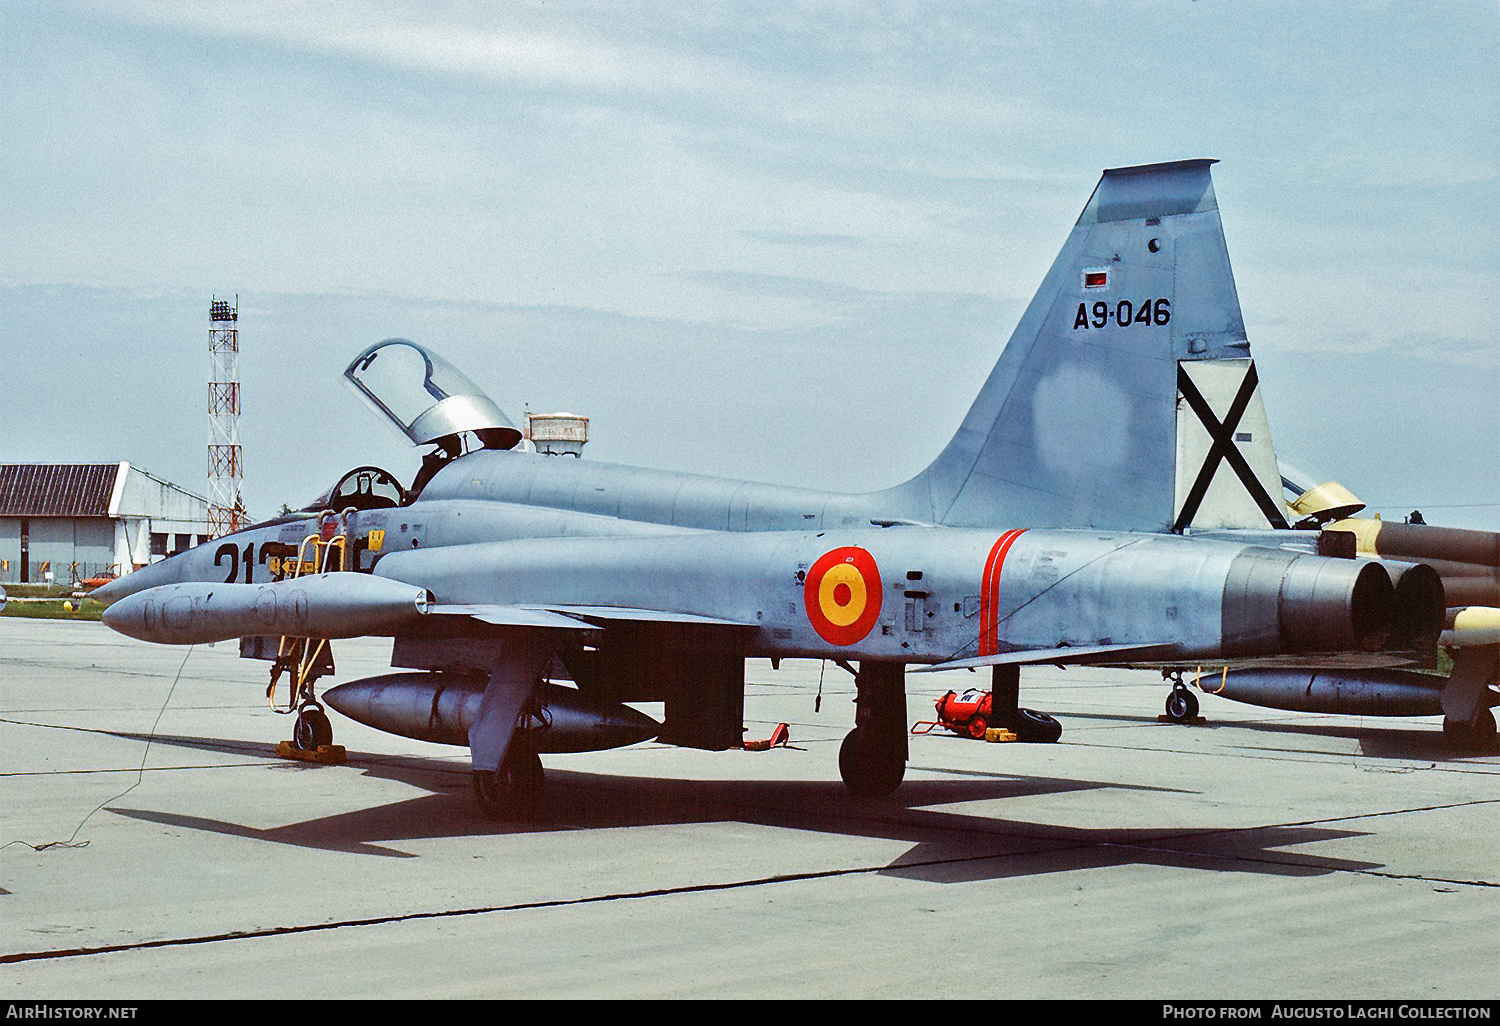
{"x": 107, "y": 593}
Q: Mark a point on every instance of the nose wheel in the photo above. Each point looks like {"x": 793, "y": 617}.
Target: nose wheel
{"x": 312, "y": 738}
{"x": 312, "y": 729}
{"x": 1182, "y": 704}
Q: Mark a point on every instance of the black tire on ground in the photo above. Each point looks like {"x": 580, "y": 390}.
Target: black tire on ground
{"x": 312, "y": 729}
{"x": 1182, "y": 705}
{"x": 1036, "y": 727}
{"x": 1476, "y": 737}
{"x": 870, "y": 770}
{"x": 513, "y": 793}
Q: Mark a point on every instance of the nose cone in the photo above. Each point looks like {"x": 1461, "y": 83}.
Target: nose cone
{"x": 135, "y": 616}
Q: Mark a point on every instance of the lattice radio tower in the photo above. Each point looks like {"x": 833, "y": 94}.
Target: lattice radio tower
{"x": 226, "y": 507}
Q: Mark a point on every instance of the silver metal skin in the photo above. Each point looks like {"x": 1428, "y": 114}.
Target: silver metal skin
{"x": 1054, "y": 589}
{"x": 1060, "y": 524}
{"x": 341, "y": 605}
{"x": 443, "y": 707}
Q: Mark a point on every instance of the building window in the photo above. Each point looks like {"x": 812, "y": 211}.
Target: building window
{"x": 158, "y": 543}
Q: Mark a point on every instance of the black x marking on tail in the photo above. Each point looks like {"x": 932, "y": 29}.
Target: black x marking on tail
{"x": 1223, "y": 449}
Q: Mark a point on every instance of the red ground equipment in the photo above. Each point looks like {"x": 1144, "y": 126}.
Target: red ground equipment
{"x": 969, "y": 715}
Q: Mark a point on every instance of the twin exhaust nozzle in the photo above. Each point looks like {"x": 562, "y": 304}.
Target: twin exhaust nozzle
{"x": 1277, "y": 602}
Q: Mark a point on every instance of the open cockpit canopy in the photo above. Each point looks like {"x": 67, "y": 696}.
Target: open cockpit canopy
{"x": 425, "y": 397}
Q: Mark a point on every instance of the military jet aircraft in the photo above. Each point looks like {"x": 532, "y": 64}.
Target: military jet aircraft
{"x": 1108, "y": 498}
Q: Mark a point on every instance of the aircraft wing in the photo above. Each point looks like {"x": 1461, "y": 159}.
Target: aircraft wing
{"x": 1068, "y": 655}
{"x": 569, "y": 616}
{"x": 508, "y": 616}
{"x": 608, "y": 613}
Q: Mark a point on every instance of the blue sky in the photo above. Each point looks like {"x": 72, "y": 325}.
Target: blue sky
{"x": 776, "y": 241}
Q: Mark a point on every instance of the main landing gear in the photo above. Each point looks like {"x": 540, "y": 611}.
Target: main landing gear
{"x": 872, "y": 759}
{"x": 512, "y": 793}
{"x": 1476, "y": 736}
{"x": 1468, "y": 723}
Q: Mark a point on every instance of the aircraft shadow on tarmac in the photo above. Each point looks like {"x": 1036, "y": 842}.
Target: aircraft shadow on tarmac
{"x": 1377, "y": 741}
{"x": 948, "y": 846}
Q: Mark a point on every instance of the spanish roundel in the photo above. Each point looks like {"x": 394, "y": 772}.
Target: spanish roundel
{"x": 842, "y": 594}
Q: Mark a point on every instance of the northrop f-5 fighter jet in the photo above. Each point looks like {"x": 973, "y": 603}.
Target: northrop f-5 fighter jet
{"x": 1112, "y": 496}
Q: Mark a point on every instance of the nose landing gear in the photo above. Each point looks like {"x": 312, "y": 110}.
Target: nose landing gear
{"x": 1182, "y": 704}
{"x": 312, "y": 729}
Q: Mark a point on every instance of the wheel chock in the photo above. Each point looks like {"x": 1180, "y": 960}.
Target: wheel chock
{"x": 997, "y": 734}
{"x": 327, "y": 755}
{"x": 779, "y": 738}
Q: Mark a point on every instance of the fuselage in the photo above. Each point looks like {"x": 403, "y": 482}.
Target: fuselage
{"x": 803, "y": 573}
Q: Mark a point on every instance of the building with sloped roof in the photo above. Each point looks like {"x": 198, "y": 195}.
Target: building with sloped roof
{"x": 69, "y": 522}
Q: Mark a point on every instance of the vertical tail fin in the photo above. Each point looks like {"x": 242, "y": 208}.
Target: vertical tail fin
{"x": 1126, "y": 398}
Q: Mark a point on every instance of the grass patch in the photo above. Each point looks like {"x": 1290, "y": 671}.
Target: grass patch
{"x": 52, "y": 608}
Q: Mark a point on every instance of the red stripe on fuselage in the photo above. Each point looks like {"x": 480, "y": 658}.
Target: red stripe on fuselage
{"x": 989, "y": 592}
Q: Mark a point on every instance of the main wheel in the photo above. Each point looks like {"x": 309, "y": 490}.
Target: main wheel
{"x": 870, "y": 770}
{"x": 513, "y": 792}
{"x": 1474, "y": 737}
{"x": 312, "y": 729}
{"x": 1182, "y": 705}
{"x": 1036, "y": 727}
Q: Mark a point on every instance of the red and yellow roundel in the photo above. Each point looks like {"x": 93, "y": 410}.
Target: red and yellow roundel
{"x": 842, "y": 594}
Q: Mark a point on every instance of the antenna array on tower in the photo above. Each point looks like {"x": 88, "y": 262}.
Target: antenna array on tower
{"x": 226, "y": 506}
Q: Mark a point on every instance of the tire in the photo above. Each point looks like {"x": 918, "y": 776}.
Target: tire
{"x": 312, "y": 729}
{"x": 977, "y": 727}
{"x": 1036, "y": 727}
{"x": 513, "y": 793}
{"x": 1182, "y": 705}
{"x": 869, "y": 771}
{"x": 1476, "y": 737}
